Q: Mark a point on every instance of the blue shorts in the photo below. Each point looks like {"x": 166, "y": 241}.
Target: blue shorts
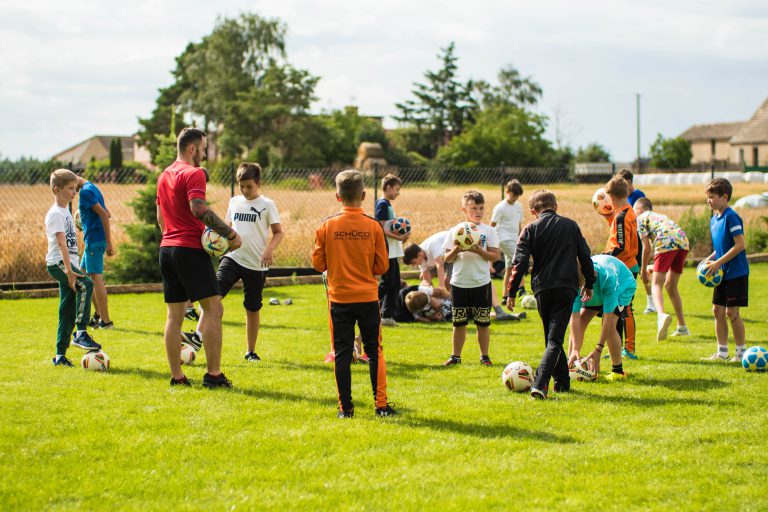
{"x": 93, "y": 258}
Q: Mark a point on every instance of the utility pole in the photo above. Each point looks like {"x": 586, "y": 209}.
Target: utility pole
{"x": 637, "y": 97}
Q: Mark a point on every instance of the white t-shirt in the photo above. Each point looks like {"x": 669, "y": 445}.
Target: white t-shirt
{"x": 469, "y": 269}
{"x": 433, "y": 248}
{"x": 252, "y": 220}
{"x": 59, "y": 220}
{"x": 507, "y": 218}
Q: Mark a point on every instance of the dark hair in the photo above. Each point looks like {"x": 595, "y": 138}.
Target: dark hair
{"x": 626, "y": 174}
{"x": 189, "y": 136}
{"x": 390, "y": 180}
{"x": 474, "y": 196}
{"x": 721, "y": 187}
{"x": 541, "y": 200}
{"x": 514, "y": 187}
{"x": 617, "y": 187}
{"x": 645, "y": 203}
{"x": 410, "y": 253}
{"x": 249, "y": 171}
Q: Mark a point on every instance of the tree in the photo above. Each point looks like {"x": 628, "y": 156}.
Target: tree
{"x": 512, "y": 89}
{"x": 592, "y": 153}
{"x": 502, "y": 133}
{"x": 115, "y": 154}
{"x": 672, "y": 153}
{"x": 442, "y": 105}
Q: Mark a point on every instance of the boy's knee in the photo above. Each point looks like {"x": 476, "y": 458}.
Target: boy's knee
{"x": 732, "y": 313}
{"x": 718, "y": 311}
{"x": 670, "y": 287}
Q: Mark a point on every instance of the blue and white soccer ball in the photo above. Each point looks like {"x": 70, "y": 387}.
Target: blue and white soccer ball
{"x": 755, "y": 359}
{"x": 710, "y": 280}
{"x": 401, "y": 226}
{"x": 213, "y": 243}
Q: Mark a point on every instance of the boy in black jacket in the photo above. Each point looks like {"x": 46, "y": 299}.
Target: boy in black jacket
{"x": 556, "y": 245}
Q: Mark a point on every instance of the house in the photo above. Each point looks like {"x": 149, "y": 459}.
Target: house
{"x": 97, "y": 148}
{"x": 742, "y": 143}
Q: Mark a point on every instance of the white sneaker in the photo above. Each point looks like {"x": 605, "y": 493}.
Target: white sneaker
{"x": 649, "y": 310}
{"x": 716, "y": 357}
{"x": 662, "y": 328}
{"x": 388, "y": 322}
{"x": 735, "y": 359}
{"x": 681, "y": 330}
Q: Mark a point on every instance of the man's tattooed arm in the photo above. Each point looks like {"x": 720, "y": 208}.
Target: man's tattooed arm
{"x": 210, "y": 219}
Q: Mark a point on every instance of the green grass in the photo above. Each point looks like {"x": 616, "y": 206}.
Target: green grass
{"x": 680, "y": 434}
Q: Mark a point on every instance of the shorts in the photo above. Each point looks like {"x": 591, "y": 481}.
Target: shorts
{"x": 733, "y": 292}
{"x": 471, "y": 303}
{"x": 620, "y": 311}
{"x": 93, "y": 258}
{"x": 187, "y": 274}
{"x": 508, "y": 248}
{"x": 231, "y": 271}
{"x": 672, "y": 260}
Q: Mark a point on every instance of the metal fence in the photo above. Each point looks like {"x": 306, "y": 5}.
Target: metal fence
{"x": 430, "y": 198}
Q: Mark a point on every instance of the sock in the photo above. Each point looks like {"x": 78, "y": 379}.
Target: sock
{"x": 59, "y": 356}
{"x": 498, "y": 310}
{"x": 740, "y": 349}
{"x": 617, "y": 368}
{"x": 649, "y": 302}
{"x": 79, "y": 332}
{"x": 722, "y": 350}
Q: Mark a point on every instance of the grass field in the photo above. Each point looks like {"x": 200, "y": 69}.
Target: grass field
{"x": 680, "y": 434}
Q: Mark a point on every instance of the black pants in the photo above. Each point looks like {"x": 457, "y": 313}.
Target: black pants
{"x": 389, "y": 289}
{"x": 554, "y": 307}
{"x": 343, "y": 319}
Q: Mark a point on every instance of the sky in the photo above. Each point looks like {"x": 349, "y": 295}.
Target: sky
{"x": 70, "y": 70}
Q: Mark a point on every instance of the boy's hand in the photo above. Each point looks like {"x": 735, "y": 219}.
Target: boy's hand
{"x": 72, "y": 278}
{"x": 586, "y": 295}
{"x": 511, "y": 303}
{"x": 573, "y": 358}
{"x": 266, "y": 258}
{"x": 236, "y": 242}
{"x": 713, "y": 267}
{"x": 110, "y": 249}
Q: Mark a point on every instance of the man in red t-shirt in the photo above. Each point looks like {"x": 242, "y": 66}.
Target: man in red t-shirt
{"x": 186, "y": 268}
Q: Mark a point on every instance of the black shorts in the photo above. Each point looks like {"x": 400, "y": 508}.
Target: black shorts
{"x": 733, "y": 292}
{"x": 620, "y": 311}
{"x": 231, "y": 271}
{"x": 471, "y": 304}
{"x": 187, "y": 274}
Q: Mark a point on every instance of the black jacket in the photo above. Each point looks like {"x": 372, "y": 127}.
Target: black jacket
{"x": 556, "y": 244}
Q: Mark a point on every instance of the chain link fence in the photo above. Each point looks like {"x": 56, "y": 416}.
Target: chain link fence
{"x": 430, "y": 198}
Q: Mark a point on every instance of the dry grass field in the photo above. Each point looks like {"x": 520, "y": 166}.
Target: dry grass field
{"x": 22, "y": 229}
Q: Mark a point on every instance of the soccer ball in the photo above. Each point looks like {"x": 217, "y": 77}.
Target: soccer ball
{"x": 528, "y": 301}
{"x": 601, "y": 203}
{"x": 755, "y": 359}
{"x": 517, "y": 376}
{"x": 710, "y": 280}
{"x": 580, "y": 372}
{"x": 466, "y": 235}
{"x": 96, "y": 361}
{"x": 401, "y": 226}
{"x": 188, "y": 354}
{"x": 213, "y": 243}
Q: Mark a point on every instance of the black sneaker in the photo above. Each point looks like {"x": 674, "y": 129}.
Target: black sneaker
{"x": 486, "y": 361}
{"x": 94, "y": 323}
{"x": 219, "y": 381}
{"x": 191, "y": 338}
{"x": 85, "y": 342}
{"x": 345, "y": 414}
{"x": 181, "y": 382}
{"x": 105, "y": 325}
{"x": 62, "y": 361}
{"x": 386, "y": 411}
{"x": 191, "y": 314}
{"x": 252, "y": 357}
{"x": 452, "y": 360}
{"x": 540, "y": 394}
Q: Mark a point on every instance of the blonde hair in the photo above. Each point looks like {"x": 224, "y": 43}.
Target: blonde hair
{"x": 349, "y": 185}
{"x": 62, "y": 177}
{"x": 415, "y": 301}
{"x": 617, "y": 187}
{"x": 541, "y": 200}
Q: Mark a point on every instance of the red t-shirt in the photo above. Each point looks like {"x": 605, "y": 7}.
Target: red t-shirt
{"x": 176, "y": 187}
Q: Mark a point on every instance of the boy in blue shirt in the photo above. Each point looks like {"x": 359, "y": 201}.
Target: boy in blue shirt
{"x": 727, "y": 231}
{"x": 613, "y": 292}
{"x": 389, "y": 285}
{"x": 97, "y": 237}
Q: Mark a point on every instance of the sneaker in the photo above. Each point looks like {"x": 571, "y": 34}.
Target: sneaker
{"x": 662, "y": 326}
{"x": 346, "y": 414}
{"x": 94, "y": 323}
{"x": 274, "y": 301}
{"x": 253, "y": 357}
{"x": 364, "y": 359}
{"x": 649, "y": 310}
{"x": 716, "y": 357}
{"x": 193, "y": 339}
{"x": 613, "y": 376}
{"x": 330, "y": 357}
{"x": 219, "y": 381}
{"x": 287, "y": 302}
{"x": 681, "y": 330}
{"x": 500, "y": 317}
{"x": 486, "y": 361}
{"x": 452, "y": 360}
{"x": 181, "y": 382}
{"x": 735, "y": 359}
{"x": 385, "y": 411}
{"x": 629, "y": 355}
{"x": 85, "y": 342}
{"x": 388, "y": 322}
{"x": 191, "y": 314}
{"x": 520, "y": 315}
{"x": 539, "y": 394}
{"x": 105, "y": 325}
{"x": 62, "y": 361}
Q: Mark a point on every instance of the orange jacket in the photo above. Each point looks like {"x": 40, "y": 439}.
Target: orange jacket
{"x": 352, "y": 248}
{"x": 622, "y": 242}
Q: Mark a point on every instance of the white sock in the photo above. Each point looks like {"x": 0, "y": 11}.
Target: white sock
{"x": 722, "y": 350}
{"x": 649, "y": 302}
{"x": 79, "y": 333}
{"x": 740, "y": 349}
{"x": 59, "y": 356}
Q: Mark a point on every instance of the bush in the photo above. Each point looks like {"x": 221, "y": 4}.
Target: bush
{"x": 696, "y": 226}
{"x": 757, "y": 236}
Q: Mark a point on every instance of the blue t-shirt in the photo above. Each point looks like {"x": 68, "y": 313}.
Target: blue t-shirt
{"x": 615, "y": 285}
{"x": 634, "y": 196}
{"x": 384, "y": 210}
{"x": 93, "y": 229}
{"x": 723, "y": 228}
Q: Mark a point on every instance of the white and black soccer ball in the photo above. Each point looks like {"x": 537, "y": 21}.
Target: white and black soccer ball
{"x": 528, "y": 301}
{"x": 95, "y": 361}
{"x": 517, "y": 376}
{"x": 188, "y": 354}
{"x": 466, "y": 235}
{"x": 579, "y": 371}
